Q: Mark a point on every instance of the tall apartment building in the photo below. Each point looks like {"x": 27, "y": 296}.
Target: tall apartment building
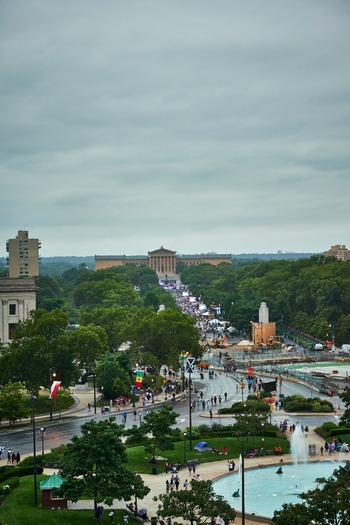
{"x": 339, "y": 251}
{"x": 23, "y": 256}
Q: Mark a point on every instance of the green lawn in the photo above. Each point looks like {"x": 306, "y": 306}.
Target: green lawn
{"x": 139, "y": 461}
{"x": 42, "y": 403}
{"x": 18, "y": 509}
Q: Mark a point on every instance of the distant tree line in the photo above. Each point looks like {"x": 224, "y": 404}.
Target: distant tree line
{"x": 311, "y": 295}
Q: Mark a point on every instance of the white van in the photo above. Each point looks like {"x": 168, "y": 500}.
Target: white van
{"x": 318, "y": 346}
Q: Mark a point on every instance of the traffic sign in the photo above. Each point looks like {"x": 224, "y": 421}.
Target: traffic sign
{"x": 190, "y": 364}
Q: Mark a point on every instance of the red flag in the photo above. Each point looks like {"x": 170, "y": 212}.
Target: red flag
{"x": 54, "y": 389}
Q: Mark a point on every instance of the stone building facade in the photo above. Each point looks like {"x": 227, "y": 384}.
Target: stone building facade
{"x": 162, "y": 261}
{"x": 339, "y": 251}
{"x": 17, "y": 300}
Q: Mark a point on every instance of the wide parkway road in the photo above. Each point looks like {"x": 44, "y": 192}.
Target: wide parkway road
{"x": 58, "y": 431}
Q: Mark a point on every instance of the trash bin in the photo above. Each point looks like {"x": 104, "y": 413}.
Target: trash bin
{"x": 154, "y": 470}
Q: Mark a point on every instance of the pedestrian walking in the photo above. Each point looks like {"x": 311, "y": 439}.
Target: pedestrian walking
{"x": 111, "y": 516}
{"x": 89, "y": 407}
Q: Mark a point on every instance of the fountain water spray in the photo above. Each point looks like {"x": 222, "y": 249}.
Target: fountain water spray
{"x": 299, "y": 445}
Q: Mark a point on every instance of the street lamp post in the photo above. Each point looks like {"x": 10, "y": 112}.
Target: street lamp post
{"x": 133, "y": 397}
{"x": 42, "y": 433}
{"x": 242, "y": 388}
{"x": 185, "y": 451}
{"x": 140, "y": 416}
{"x": 52, "y": 377}
{"x": 262, "y": 437}
{"x": 94, "y": 375}
{"x": 34, "y": 453}
{"x": 242, "y": 476}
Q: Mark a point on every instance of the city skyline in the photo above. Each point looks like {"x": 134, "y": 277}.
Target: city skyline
{"x": 200, "y": 126}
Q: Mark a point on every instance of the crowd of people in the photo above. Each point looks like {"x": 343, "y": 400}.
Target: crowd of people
{"x": 174, "y": 483}
{"x": 13, "y": 458}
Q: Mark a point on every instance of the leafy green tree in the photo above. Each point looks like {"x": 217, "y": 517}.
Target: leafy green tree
{"x": 154, "y": 295}
{"x": 95, "y": 465}
{"x": 105, "y": 288}
{"x": 114, "y": 375}
{"x": 292, "y": 514}
{"x": 308, "y": 294}
{"x": 41, "y": 343}
{"x": 87, "y": 344}
{"x": 50, "y": 294}
{"x": 166, "y": 335}
{"x": 155, "y": 431}
{"x": 198, "y": 505}
{"x": 327, "y": 504}
{"x": 12, "y": 403}
{"x": 345, "y": 417}
{"x": 116, "y": 321}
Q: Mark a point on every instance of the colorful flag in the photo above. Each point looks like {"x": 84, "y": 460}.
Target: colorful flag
{"x": 139, "y": 376}
{"x": 54, "y": 389}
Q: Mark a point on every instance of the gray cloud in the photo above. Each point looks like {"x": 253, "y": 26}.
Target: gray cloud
{"x": 196, "y": 125}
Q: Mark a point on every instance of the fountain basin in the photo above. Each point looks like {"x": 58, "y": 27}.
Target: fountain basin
{"x": 266, "y": 491}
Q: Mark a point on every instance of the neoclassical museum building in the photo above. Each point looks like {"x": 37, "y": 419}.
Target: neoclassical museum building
{"x": 162, "y": 261}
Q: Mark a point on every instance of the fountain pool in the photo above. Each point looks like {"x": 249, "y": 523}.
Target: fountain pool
{"x": 266, "y": 491}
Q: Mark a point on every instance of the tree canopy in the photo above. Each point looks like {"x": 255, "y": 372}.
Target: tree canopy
{"x": 155, "y": 431}
{"x": 198, "y": 505}
{"x": 41, "y": 343}
{"x": 312, "y": 295}
{"x": 345, "y": 417}
{"x": 95, "y": 465}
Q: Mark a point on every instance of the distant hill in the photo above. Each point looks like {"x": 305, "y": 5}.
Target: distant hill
{"x": 59, "y": 264}
{"x": 279, "y": 256}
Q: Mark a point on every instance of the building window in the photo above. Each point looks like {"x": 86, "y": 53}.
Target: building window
{"x": 12, "y": 330}
{"x": 54, "y": 495}
{"x": 12, "y": 309}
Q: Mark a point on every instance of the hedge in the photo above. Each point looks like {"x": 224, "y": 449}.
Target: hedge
{"x": 19, "y": 472}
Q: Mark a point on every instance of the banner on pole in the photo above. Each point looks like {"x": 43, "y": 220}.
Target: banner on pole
{"x": 138, "y": 380}
{"x": 54, "y": 389}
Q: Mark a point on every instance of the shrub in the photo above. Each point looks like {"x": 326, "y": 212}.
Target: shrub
{"x": 13, "y": 482}
{"x": 19, "y": 472}
{"x": 5, "y": 489}
{"x": 299, "y": 403}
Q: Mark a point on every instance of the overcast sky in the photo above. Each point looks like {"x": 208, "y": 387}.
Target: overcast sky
{"x": 199, "y": 125}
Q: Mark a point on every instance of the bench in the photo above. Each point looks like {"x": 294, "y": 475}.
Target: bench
{"x": 193, "y": 462}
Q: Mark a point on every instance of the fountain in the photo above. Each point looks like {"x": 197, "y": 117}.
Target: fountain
{"x": 299, "y": 446}
{"x": 266, "y": 491}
